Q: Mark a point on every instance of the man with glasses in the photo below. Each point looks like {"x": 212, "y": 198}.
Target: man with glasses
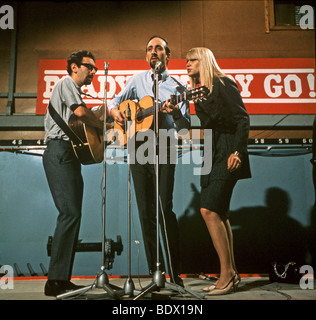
{"x": 63, "y": 169}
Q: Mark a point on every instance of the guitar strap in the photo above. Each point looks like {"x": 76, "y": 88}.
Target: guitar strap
{"x": 64, "y": 126}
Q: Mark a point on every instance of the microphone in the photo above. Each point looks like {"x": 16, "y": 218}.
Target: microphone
{"x": 158, "y": 65}
{"x": 106, "y": 67}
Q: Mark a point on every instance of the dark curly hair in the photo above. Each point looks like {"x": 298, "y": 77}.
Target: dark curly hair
{"x": 76, "y": 57}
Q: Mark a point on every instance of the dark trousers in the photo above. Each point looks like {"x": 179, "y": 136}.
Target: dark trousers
{"x": 144, "y": 183}
{"x": 63, "y": 172}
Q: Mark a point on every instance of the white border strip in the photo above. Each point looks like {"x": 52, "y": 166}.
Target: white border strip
{"x": 183, "y": 71}
{"x": 266, "y": 101}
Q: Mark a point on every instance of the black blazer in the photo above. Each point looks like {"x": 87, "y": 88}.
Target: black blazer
{"x": 225, "y": 113}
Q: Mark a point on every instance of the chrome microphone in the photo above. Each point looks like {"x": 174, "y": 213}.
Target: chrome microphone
{"x": 106, "y": 67}
{"x": 158, "y": 65}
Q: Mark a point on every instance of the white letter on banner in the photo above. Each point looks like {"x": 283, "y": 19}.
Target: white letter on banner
{"x": 50, "y": 83}
{"x": 267, "y": 85}
{"x": 111, "y": 87}
{"x": 287, "y": 85}
{"x": 245, "y": 93}
{"x": 121, "y": 80}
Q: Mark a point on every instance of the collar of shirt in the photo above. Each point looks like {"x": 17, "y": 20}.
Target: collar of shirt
{"x": 164, "y": 75}
{"x": 75, "y": 83}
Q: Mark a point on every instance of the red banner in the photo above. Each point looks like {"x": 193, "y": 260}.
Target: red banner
{"x": 267, "y": 86}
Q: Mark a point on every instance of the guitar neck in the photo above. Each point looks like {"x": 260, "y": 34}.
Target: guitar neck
{"x": 177, "y": 99}
{"x": 195, "y": 94}
{"x": 146, "y": 112}
{"x": 150, "y": 111}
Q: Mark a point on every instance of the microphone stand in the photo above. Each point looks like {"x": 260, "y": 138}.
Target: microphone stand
{"x": 129, "y": 287}
{"x": 102, "y": 280}
{"x": 159, "y": 280}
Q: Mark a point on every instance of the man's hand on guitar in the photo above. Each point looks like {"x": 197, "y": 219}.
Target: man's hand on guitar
{"x": 118, "y": 117}
{"x": 169, "y": 108}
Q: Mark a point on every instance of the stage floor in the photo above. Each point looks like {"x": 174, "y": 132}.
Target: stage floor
{"x": 250, "y": 288}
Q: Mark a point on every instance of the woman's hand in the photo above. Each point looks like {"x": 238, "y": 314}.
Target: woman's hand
{"x": 234, "y": 162}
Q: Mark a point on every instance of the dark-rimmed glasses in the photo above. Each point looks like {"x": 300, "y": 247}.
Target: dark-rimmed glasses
{"x": 90, "y": 66}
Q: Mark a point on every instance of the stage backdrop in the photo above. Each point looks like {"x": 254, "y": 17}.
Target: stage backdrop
{"x": 267, "y": 86}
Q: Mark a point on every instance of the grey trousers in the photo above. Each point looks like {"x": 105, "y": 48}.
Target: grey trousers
{"x": 63, "y": 172}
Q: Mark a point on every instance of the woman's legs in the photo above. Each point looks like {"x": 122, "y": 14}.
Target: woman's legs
{"x": 221, "y": 234}
{"x": 231, "y": 243}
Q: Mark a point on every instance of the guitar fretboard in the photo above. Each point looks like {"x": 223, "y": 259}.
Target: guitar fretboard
{"x": 150, "y": 111}
{"x": 195, "y": 94}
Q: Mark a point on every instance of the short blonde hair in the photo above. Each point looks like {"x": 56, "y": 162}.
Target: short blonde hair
{"x": 208, "y": 67}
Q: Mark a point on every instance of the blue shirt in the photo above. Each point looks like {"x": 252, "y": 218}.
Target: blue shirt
{"x": 141, "y": 85}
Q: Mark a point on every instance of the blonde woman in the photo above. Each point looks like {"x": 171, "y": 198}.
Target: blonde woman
{"x": 224, "y": 112}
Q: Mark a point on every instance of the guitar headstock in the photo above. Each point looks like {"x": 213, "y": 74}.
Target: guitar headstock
{"x": 198, "y": 93}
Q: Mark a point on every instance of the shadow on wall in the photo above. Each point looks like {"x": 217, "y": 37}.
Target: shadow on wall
{"x": 261, "y": 235}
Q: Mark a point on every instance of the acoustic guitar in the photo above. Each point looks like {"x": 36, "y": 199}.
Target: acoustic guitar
{"x": 91, "y": 150}
{"x": 142, "y": 112}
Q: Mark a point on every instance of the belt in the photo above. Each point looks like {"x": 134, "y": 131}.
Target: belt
{"x": 57, "y": 140}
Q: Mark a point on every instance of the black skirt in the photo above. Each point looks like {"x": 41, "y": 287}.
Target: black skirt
{"x": 216, "y": 196}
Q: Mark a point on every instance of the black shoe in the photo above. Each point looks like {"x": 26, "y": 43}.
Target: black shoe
{"x": 54, "y": 288}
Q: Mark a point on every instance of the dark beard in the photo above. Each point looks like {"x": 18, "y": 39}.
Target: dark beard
{"x": 153, "y": 63}
{"x": 161, "y": 69}
{"x": 87, "y": 81}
